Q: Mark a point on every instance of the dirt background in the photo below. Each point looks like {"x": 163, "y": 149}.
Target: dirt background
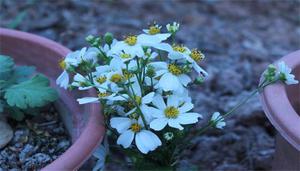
{"x": 239, "y": 39}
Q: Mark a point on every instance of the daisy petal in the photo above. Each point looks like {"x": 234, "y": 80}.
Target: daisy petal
{"x": 188, "y": 118}
{"x": 86, "y": 100}
{"x": 155, "y": 139}
{"x": 120, "y": 123}
{"x": 169, "y": 82}
{"x": 159, "y": 65}
{"x": 148, "y": 98}
{"x": 126, "y": 138}
{"x": 158, "y": 124}
{"x": 102, "y": 69}
{"x": 155, "y": 112}
{"x": 63, "y": 80}
{"x": 184, "y": 79}
{"x": 186, "y": 107}
{"x": 158, "y": 101}
{"x": 173, "y": 101}
{"x": 175, "y": 55}
{"x": 146, "y": 141}
{"x": 174, "y": 123}
{"x": 139, "y": 142}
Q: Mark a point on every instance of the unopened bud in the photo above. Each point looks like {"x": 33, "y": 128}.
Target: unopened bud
{"x": 108, "y": 38}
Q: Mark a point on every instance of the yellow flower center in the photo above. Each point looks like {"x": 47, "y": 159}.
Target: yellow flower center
{"x": 154, "y": 30}
{"x": 104, "y": 94}
{"x": 125, "y": 56}
{"x": 131, "y": 40}
{"x": 171, "y": 112}
{"x": 101, "y": 79}
{"x": 136, "y": 127}
{"x": 116, "y": 78}
{"x": 197, "y": 55}
{"x": 179, "y": 48}
{"x": 62, "y": 64}
{"x": 174, "y": 69}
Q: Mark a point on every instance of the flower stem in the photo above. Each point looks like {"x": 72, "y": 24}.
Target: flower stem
{"x": 211, "y": 124}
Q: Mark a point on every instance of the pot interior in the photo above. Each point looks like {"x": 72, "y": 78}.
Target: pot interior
{"x": 293, "y": 91}
{"x": 44, "y": 55}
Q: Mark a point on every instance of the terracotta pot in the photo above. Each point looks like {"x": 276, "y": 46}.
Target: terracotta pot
{"x": 281, "y": 104}
{"x": 83, "y": 122}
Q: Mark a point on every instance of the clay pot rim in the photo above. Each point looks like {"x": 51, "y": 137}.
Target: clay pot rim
{"x": 278, "y": 108}
{"x": 93, "y": 132}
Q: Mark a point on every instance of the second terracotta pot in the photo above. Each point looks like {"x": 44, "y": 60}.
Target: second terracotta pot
{"x": 281, "y": 103}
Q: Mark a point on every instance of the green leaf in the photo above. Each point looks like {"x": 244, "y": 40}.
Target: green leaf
{"x": 6, "y": 67}
{"x": 22, "y": 73}
{"x": 32, "y": 93}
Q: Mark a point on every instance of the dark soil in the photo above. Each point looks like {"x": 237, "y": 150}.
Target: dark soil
{"x": 239, "y": 39}
{"x": 37, "y": 142}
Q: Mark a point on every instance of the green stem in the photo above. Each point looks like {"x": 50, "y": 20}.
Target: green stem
{"x": 136, "y": 105}
{"x": 152, "y": 86}
{"x": 211, "y": 124}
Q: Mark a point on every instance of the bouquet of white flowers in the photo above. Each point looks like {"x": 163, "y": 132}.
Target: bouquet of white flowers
{"x": 142, "y": 85}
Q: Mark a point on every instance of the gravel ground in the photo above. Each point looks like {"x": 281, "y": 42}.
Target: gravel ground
{"x": 36, "y": 142}
{"x": 239, "y": 38}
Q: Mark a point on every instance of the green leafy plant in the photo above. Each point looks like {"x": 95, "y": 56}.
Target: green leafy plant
{"x": 21, "y": 90}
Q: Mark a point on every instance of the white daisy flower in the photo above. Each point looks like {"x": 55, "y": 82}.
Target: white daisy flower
{"x": 133, "y": 45}
{"x": 73, "y": 59}
{"x": 173, "y": 28}
{"x": 81, "y": 82}
{"x": 65, "y": 64}
{"x": 182, "y": 53}
{"x": 83, "y": 55}
{"x": 218, "y": 120}
{"x": 284, "y": 74}
{"x": 63, "y": 80}
{"x": 91, "y": 55}
{"x": 124, "y": 56}
{"x": 154, "y": 33}
{"x": 153, "y": 29}
{"x": 175, "y": 113}
{"x": 131, "y": 129}
{"x": 109, "y": 76}
{"x": 171, "y": 76}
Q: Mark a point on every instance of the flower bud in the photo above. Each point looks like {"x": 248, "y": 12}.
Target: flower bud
{"x": 108, "y": 38}
{"x": 168, "y": 136}
{"x": 173, "y": 28}
{"x": 90, "y": 38}
{"x": 150, "y": 72}
{"x": 270, "y": 74}
{"x": 199, "y": 80}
